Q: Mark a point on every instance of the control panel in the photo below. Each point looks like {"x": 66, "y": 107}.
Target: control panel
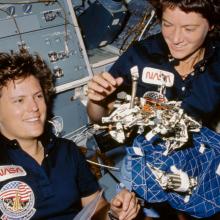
{"x": 50, "y": 29}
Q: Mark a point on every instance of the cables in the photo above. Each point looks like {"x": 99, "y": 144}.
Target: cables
{"x": 27, "y": 2}
{"x": 152, "y": 14}
{"x": 102, "y": 165}
{"x": 22, "y": 46}
{"x": 63, "y": 15}
{"x": 81, "y": 133}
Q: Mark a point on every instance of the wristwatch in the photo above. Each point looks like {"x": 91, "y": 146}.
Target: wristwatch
{"x": 111, "y": 216}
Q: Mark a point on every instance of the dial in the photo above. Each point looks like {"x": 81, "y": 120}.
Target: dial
{"x": 27, "y": 8}
{"x": 10, "y": 10}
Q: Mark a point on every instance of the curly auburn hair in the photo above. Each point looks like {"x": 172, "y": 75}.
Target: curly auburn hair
{"x": 21, "y": 65}
{"x": 209, "y": 9}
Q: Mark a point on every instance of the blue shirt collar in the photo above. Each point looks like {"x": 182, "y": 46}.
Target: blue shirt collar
{"x": 48, "y": 140}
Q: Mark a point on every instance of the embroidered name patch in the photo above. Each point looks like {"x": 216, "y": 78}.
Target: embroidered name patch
{"x": 11, "y": 171}
{"x": 157, "y": 77}
{"x": 17, "y": 201}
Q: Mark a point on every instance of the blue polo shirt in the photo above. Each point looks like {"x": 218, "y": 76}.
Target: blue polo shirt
{"x": 199, "y": 92}
{"x": 57, "y": 185}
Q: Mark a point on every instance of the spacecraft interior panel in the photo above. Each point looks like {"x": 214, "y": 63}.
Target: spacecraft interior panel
{"x": 50, "y": 29}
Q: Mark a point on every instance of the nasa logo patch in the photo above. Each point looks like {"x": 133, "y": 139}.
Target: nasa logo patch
{"x": 11, "y": 171}
{"x": 157, "y": 77}
{"x": 17, "y": 201}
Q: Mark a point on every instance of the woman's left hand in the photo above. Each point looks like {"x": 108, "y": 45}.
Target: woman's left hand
{"x": 125, "y": 205}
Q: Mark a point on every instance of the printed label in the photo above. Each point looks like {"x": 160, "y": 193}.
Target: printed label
{"x": 157, "y": 77}
{"x": 11, "y": 171}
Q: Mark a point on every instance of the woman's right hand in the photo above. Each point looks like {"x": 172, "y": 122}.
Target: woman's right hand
{"x": 102, "y": 85}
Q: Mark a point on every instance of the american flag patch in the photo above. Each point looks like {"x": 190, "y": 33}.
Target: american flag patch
{"x": 16, "y": 188}
{"x": 17, "y": 201}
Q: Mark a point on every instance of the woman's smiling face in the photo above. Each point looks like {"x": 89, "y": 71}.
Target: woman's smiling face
{"x": 22, "y": 109}
{"x": 183, "y": 32}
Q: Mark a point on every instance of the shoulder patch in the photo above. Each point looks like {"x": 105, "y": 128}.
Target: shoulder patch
{"x": 17, "y": 201}
{"x": 11, "y": 171}
{"x": 157, "y": 77}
